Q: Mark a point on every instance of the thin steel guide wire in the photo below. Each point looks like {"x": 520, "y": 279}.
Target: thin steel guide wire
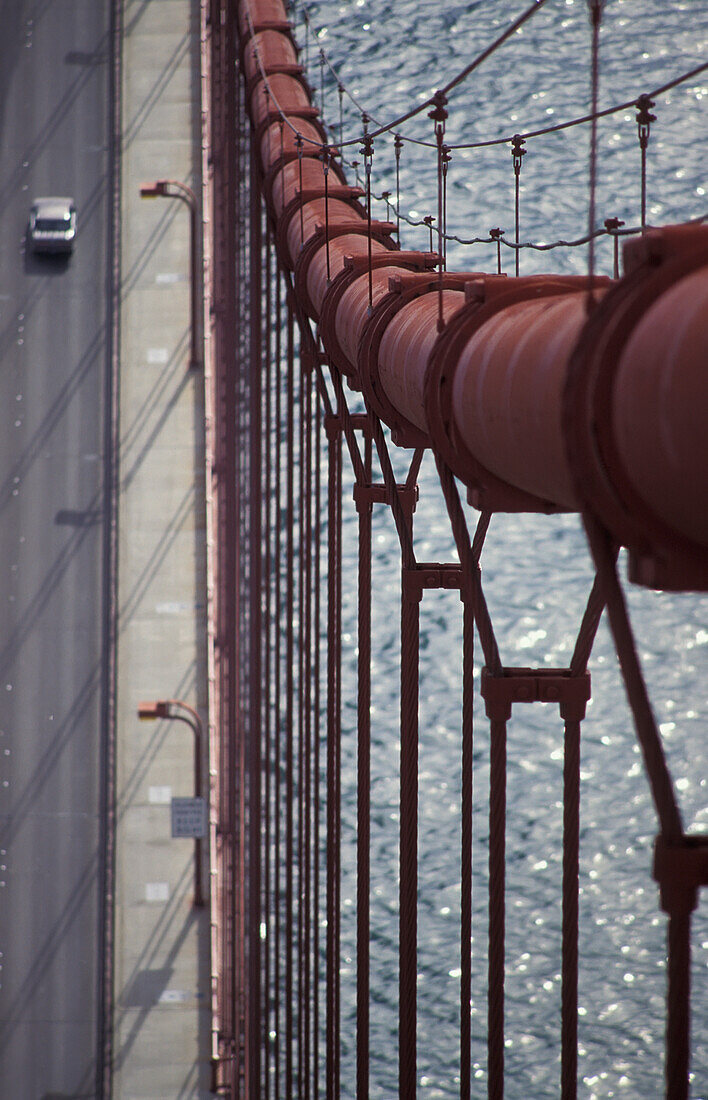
{"x": 595, "y": 7}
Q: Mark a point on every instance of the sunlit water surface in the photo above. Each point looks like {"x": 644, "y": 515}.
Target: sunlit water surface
{"x": 392, "y": 55}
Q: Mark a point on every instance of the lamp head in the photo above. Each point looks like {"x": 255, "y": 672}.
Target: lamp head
{"x": 153, "y": 189}
{"x": 151, "y": 710}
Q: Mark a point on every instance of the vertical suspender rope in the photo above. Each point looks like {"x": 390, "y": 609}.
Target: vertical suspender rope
{"x": 338, "y": 783}
{"x": 466, "y": 841}
{"x": 298, "y": 144}
{"x": 644, "y": 121}
{"x": 340, "y": 92}
{"x": 428, "y": 220}
{"x": 569, "y": 948}
{"x": 280, "y": 730}
{"x": 397, "y": 147}
{"x": 679, "y": 1000}
{"x": 300, "y": 463}
{"x": 408, "y": 887}
{"x": 267, "y": 453}
{"x": 595, "y": 9}
{"x": 499, "y": 716}
{"x": 333, "y": 734}
{"x": 316, "y": 758}
{"x": 322, "y": 68}
{"x": 473, "y": 594}
{"x": 289, "y": 710}
{"x": 612, "y": 225}
{"x": 571, "y": 844}
{"x": 517, "y": 152}
{"x": 308, "y": 378}
{"x": 266, "y": 96}
{"x": 411, "y": 593}
{"x": 325, "y": 162}
{"x": 364, "y": 508}
{"x": 446, "y": 158}
{"x": 238, "y": 975}
{"x": 332, "y": 436}
{"x": 496, "y": 235}
{"x": 367, "y": 151}
{"x": 255, "y": 635}
{"x": 306, "y": 26}
{"x": 281, "y": 126}
{"x": 439, "y": 115}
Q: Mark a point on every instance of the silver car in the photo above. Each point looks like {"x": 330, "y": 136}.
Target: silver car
{"x": 52, "y": 224}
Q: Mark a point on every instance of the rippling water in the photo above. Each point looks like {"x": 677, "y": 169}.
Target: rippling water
{"x": 391, "y": 55}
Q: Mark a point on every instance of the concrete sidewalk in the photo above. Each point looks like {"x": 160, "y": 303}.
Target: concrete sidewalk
{"x": 162, "y": 1022}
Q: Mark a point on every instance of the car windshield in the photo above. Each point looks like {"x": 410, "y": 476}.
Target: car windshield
{"x": 46, "y": 224}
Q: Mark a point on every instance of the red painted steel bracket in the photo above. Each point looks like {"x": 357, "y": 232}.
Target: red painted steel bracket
{"x": 680, "y": 870}
{"x": 377, "y": 493}
{"x": 535, "y": 685}
{"x": 430, "y": 575}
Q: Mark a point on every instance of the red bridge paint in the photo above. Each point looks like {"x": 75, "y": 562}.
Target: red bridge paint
{"x": 541, "y": 393}
{"x": 502, "y": 423}
{"x": 635, "y": 402}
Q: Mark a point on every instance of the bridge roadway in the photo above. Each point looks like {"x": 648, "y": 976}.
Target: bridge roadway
{"x": 54, "y": 73}
{"x": 55, "y": 691}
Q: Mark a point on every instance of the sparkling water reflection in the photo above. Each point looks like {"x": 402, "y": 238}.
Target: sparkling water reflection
{"x": 536, "y": 570}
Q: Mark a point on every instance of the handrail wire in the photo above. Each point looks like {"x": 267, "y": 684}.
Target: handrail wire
{"x": 588, "y": 117}
{"x": 592, "y": 117}
{"x": 461, "y": 76}
{"x": 668, "y": 86}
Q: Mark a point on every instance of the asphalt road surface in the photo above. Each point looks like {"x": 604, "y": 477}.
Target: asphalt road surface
{"x": 54, "y": 133}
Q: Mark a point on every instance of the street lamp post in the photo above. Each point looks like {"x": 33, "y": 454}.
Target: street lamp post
{"x": 182, "y": 712}
{"x": 174, "y": 189}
